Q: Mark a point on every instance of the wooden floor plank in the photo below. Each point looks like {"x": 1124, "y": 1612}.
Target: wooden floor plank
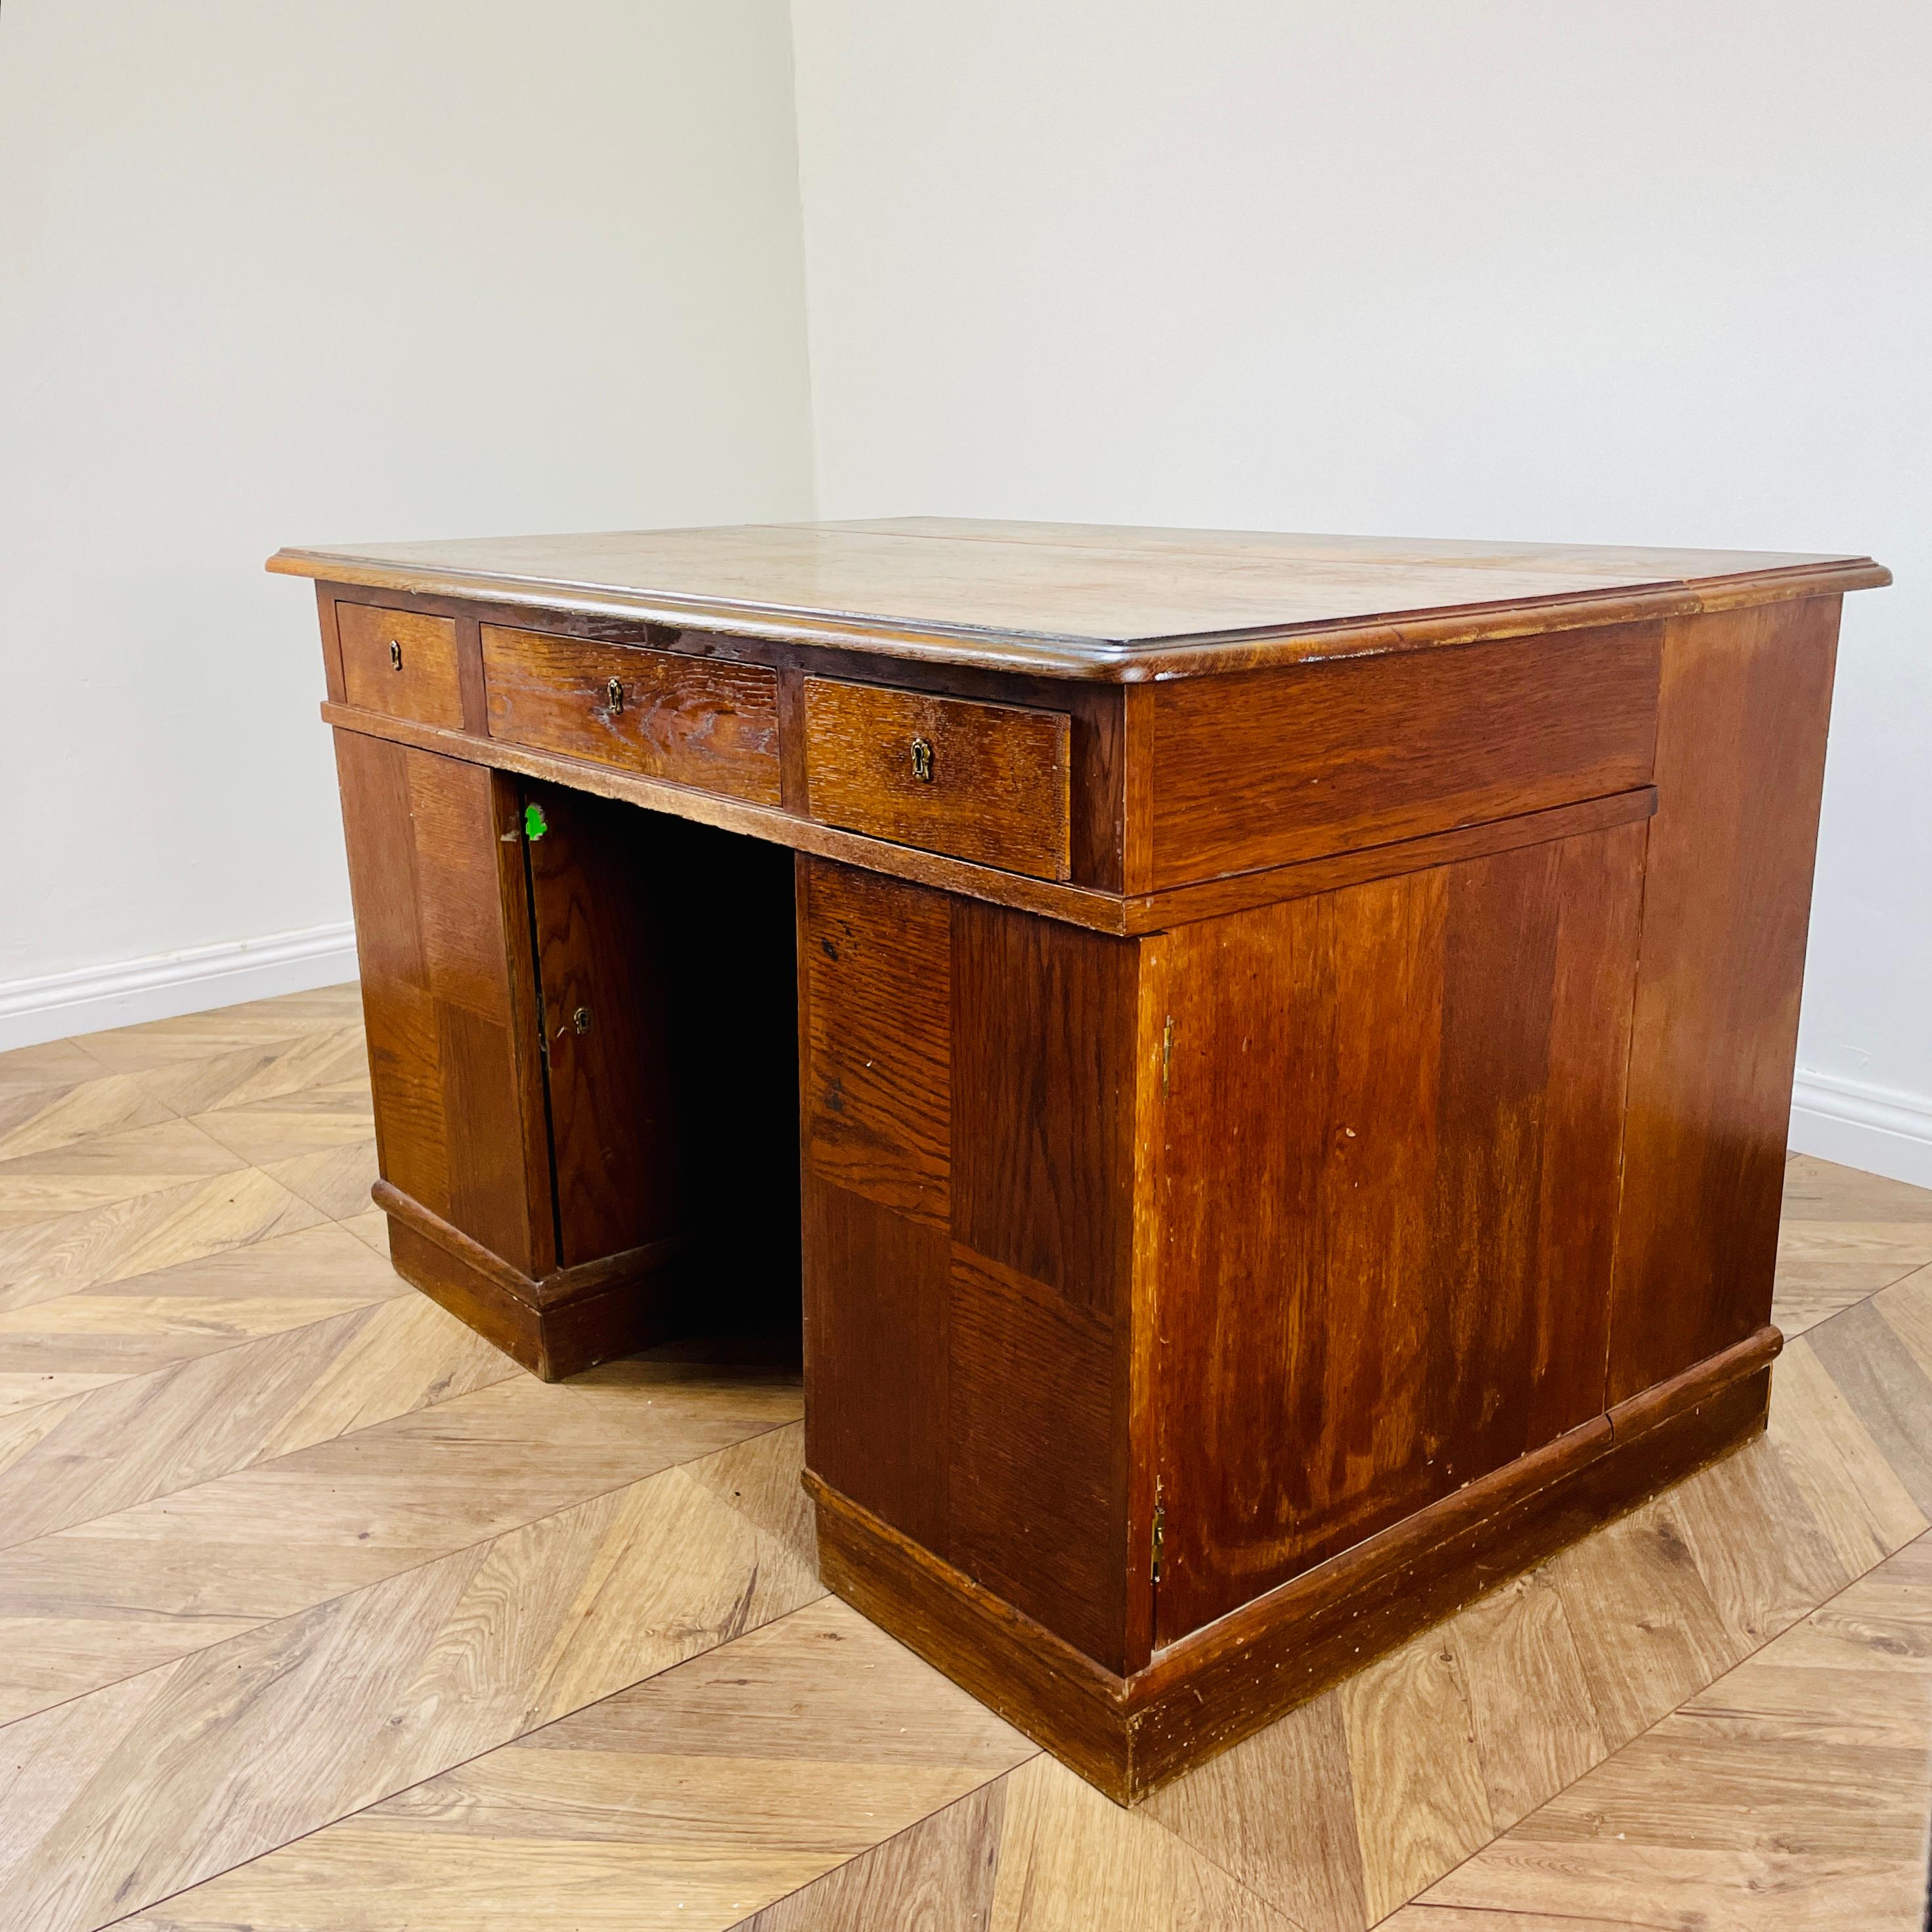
{"x": 1907, "y": 1309}
{"x": 56, "y": 1063}
{"x": 1646, "y": 1628}
{"x": 114, "y": 1330}
{"x": 103, "y": 1169}
{"x": 207, "y": 1417}
{"x": 367, "y": 1499}
{"x": 1070, "y": 1861}
{"x": 1880, "y": 1379}
{"x": 1458, "y": 1919}
{"x": 211, "y": 1762}
{"x": 371, "y": 1228}
{"x": 935, "y": 1876}
{"x": 34, "y": 1117}
{"x": 314, "y": 1687}
{"x": 1845, "y": 1235}
{"x": 1854, "y": 1495}
{"x": 1278, "y": 1813}
{"x": 695, "y": 1799}
{"x": 141, "y": 1233}
{"x": 1537, "y": 1728}
{"x": 308, "y": 1121}
{"x": 811, "y": 1741}
{"x": 319, "y": 1141}
{"x": 1736, "y": 1813}
{"x": 1764, "y": 1559}
{"x": 237, "y": 1055}
{"x": 1421, "y": 1799}
{"x": 336, "y": 1180}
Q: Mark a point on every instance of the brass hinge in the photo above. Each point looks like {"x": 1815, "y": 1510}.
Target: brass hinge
{"x": 1160, "y": 1532}
{"x": 1166, "y": 1054}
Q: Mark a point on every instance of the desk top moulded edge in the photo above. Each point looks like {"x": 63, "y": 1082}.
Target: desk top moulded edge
{"x": 958, "y": 614}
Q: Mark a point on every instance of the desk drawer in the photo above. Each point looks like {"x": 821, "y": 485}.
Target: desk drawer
{"x": 701, "y": 721}
{"x": 400, "y": 662}
{"x": 986, "y": 782}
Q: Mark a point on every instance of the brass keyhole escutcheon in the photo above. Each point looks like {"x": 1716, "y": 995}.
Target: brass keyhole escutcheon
{"x": 580, "y": 1019}
{"x": 395, "y": 654}
{"x": 613, "y": 696}
{"x": 922, "y": 761}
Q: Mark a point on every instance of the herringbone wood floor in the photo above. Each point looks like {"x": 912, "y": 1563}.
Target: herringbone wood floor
{"x": 319, "y": 1616}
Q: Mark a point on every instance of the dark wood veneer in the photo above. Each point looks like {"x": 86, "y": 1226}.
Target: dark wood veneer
{"x": 694, "y": 721}
{"x": 1278, "y": 766}
{"x": 403, "y": 662}
{"x": 987, "y": 782}
{"x": 1279, "y": 1130}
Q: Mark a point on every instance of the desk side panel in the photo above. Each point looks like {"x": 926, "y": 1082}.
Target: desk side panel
{"x": 1389, "y": 1138}
{"x": 1746, "y": 704}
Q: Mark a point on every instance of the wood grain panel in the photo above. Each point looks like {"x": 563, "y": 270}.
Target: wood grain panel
{"x": 448, "y": 994}
{"x": 997, "y": 789}
{"x": 1042, "y": 1027}
{"x": 1741, "y": 762}
{"x": 1265, "y": 769}
{"x": 402, "y": 662}
{"x": 875, "y": 972}
{"x": 696, "y": 721}
{"x": 603, "y": 948}
{"x": 876, "y": 1357}
{"x": 1036, "y": 1454}
{"x": 1410, "y": 1078}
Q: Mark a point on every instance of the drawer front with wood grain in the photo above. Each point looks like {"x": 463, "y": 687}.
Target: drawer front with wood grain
{"x": 403, "y": 662}
{"x": 986, "y": 782}
{"x": 701, "y": 721}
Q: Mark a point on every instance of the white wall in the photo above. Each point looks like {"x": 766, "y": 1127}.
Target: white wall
{"x": 275, "y": 274}
{"x": 1604, "y": 270}
{"x": 386, "y": 268}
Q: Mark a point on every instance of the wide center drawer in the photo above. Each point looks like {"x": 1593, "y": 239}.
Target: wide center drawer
{"x": 701, "y": 721}
{"x": 986, "y": 782}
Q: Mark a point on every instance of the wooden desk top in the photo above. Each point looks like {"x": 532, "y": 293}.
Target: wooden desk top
{"x": 1080, "y": 600}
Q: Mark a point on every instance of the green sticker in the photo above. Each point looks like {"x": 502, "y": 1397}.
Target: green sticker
{"x": 535, "y": 824}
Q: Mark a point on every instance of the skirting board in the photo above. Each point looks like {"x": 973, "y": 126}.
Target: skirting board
{"x": 195, "y": 980}
{"x": 1864, "y": 1127}
{"x": 1221, "y": 1683}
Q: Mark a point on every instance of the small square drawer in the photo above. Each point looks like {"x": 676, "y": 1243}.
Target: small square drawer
{"x": 986, "y": 782}
{"x": 400, "y": 662}
{"x": 705, "y": 722}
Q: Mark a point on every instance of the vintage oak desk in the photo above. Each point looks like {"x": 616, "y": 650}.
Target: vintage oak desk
{"x": 1290, "y": 1041}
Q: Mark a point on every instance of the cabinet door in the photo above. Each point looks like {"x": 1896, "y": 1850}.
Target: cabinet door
{"x": 443, "y": 935}
{"x": 665, "y": 961}
{"x": 1391, "y": 1135}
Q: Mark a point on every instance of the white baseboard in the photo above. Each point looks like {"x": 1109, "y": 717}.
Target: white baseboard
{"x": 1867, "y": 1127}
{"x": 165, "y": 984}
